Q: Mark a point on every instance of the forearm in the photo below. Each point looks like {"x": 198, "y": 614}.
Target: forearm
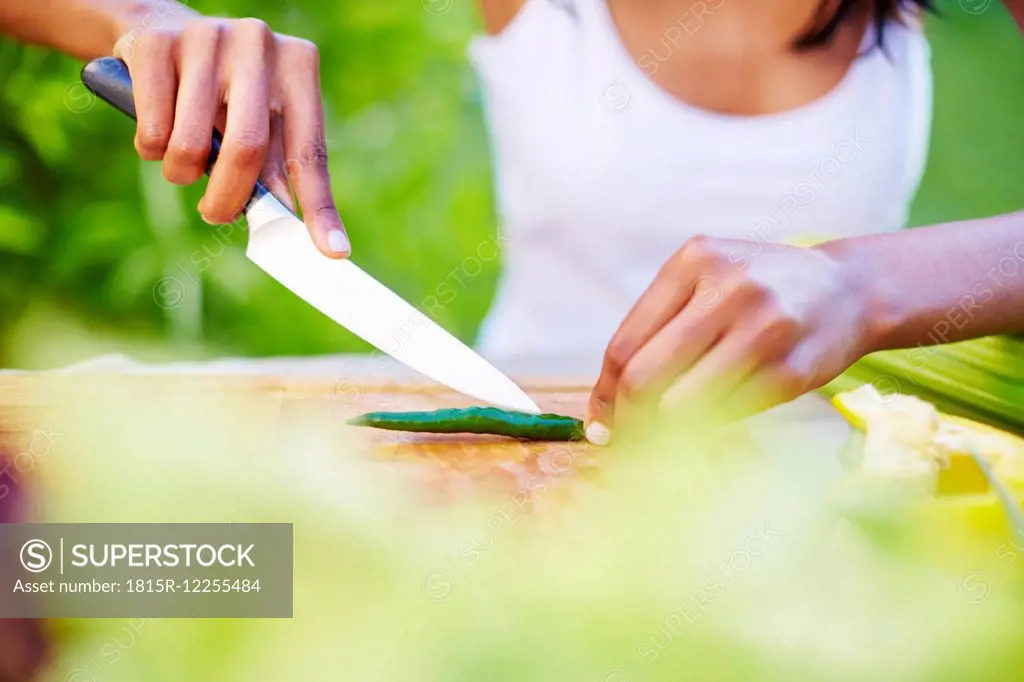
{"x": 940, "y": 284}
{"x": 82, "y": 28}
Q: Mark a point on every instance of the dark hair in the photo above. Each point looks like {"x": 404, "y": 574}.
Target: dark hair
{"x": 833, "y": 13}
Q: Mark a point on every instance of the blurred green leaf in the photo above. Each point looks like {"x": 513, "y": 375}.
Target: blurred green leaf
{"x": 19, "y": 232}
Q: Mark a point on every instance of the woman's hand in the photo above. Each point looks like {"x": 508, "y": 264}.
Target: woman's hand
{"x": 191, "y": 73}
{"x": 721, "y": 332}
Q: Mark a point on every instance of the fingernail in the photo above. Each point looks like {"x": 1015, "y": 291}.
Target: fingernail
{"x": 202, "y": 213}
{"x": 338, "y": 242}
{"x": 599, "y": 434}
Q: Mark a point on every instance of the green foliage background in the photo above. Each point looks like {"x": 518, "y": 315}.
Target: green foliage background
{"x": 94, "y": 243}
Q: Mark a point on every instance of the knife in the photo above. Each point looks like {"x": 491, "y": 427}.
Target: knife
{"x": 280, "y": 245}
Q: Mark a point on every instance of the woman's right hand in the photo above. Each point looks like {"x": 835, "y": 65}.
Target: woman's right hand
{"x": 192, "y": 73}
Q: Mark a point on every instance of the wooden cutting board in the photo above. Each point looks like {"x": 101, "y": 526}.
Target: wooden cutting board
{"x": 448, "y": 463}
{"x": 287, "y": 395}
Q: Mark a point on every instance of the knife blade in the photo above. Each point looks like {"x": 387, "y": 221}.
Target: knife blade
{"x": 280, "y": 245}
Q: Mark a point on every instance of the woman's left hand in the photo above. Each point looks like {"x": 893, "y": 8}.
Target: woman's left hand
{"x": 731, "y": 327}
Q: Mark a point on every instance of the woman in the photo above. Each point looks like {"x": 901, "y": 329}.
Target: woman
{"x": 634, "y": 140}
{"x": 678, "y": 140}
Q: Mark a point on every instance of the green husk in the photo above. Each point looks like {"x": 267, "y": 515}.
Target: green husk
{"x": 980, "y": 379}
{"x": 478, "y": 420}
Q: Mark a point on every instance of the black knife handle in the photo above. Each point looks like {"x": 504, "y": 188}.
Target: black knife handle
{"x": 108, "y": 79}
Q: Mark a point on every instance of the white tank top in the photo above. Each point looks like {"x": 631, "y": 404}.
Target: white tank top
{"x": 602, "y": 175}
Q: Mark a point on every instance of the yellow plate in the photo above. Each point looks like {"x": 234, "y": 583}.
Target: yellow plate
{"x": 848, "y": 413}
{"x": 969, "y": 534}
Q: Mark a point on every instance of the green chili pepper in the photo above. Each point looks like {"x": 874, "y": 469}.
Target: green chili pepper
{"x": 482, "y": 420}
